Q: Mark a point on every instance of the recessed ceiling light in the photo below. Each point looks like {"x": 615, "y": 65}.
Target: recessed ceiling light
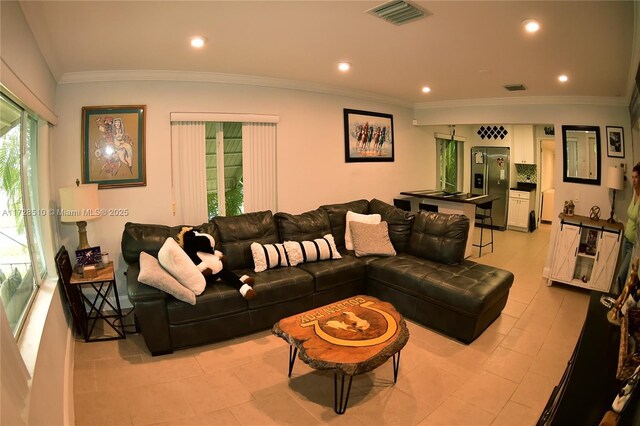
{"x": 344, "y": 66}
{"x": 426, "y": 89}
{"x": 563, "y": 78}
{"x": 531, "y": 25}
{"x": 198, "y": 42}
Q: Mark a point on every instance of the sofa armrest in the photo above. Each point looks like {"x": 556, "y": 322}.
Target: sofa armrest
{"x": 150, "y": 308}
{"x": 139, "y": 292}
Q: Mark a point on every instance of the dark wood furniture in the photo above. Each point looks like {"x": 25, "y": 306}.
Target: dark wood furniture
{"x": 589, "y": 384}
{"x": 349, "y": 337}
{"x": 87, "y": 309}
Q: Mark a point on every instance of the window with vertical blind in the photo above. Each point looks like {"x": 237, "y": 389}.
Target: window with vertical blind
{"x": 224, "y": 169}
{"x": 215, "y": 154}
{"x": 449, "y": 164}
{"x": 22, "y": 262}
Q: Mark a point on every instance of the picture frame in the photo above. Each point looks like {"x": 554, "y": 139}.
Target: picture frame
{"x": 88, "y": 256}
{"x": 615, "y": 141}
{"x": 368, "y": 136}
{"x": 113, "y": 146}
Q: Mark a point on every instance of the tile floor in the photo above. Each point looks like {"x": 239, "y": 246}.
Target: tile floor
{"x": 503, "y": 378}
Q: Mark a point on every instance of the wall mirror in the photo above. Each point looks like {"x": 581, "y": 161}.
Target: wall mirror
{"x": 581, "y": 154}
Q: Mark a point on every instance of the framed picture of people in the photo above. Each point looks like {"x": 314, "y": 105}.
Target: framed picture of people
{"x": 113, "y": 146}
{"x": 615, "y": 142}
{"x": 368, "y": 136}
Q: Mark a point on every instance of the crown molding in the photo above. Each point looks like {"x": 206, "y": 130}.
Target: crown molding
{"x": 527, "y": 100}
{"x": 220, "y": 78}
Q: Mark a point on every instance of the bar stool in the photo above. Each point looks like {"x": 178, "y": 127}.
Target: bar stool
{"x": 402, "y": 203}
{"x": 482, "y": 216}
{"x": 428, "y": 207}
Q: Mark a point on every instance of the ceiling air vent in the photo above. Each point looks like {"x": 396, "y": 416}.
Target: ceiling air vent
{"x": 398, "y": 12}
{"x": 515, "y": 87}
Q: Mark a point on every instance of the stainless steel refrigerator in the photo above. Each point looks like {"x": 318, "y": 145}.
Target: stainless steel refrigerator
{"x": 490, "y": 176}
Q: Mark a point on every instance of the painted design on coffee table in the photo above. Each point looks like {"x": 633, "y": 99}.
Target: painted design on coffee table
{"x": 339, "y": 326}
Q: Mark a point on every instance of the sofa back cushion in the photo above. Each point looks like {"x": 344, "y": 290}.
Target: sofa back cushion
{"x": 399, "y": 222}
{"x": 337, "y": 217}
{"x": 138, "y": 237}
{"x": 439, "y": 237}
{"x": 303, "y": 227}
{"x": 238, "y": 232}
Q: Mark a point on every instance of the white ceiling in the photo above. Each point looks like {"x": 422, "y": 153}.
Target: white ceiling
{"x": 465, "y": 50}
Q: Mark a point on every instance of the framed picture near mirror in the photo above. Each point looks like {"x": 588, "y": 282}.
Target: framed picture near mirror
{"x": 615, "y": 142}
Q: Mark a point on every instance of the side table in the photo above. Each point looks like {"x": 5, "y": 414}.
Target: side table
{"x": 103, "y": 284}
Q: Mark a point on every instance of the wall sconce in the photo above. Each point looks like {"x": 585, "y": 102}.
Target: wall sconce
{"x": 79, "y": 204}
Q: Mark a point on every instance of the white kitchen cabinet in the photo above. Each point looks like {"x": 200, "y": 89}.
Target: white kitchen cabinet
{"x": 586, "y": 252}
{"x": 521, "y": 203}
{"x": 523, "y": 145}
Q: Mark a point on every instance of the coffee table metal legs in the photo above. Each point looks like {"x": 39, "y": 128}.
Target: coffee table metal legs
{"x": 293, "y": 351}
{"x": 340, "y": 405}
{"x": 396, "y": 366}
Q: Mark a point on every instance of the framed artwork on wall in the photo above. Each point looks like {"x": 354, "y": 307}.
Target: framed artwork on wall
{"x": 615, "y": 142}
{"x": 113, "y": 146}
{"x": 368, "y": 136}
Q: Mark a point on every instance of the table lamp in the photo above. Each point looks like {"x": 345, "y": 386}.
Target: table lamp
{"x": 79, "y": 204}
{"x": 615, "y": 181}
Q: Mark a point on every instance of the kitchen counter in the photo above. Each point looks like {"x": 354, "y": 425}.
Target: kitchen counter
{"x": 454, "y": 197}
{"x": 451, "y": 203}
{"x": 525, "y": 186}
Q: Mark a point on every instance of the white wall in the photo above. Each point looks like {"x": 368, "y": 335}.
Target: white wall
{"x": 577, "y": 113}
{"x": 310, "y": 154}
{"x": 24, "y": 70}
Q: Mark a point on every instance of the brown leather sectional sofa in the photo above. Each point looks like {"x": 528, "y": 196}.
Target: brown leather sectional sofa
{"x": 428, "y": 281}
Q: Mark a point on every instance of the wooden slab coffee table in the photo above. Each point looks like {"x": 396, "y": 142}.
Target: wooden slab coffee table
{"x": 349, "y": 337}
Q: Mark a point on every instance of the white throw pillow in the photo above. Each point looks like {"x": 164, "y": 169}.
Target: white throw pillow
{"x": 152, "y": 274}
{"x": 372, "y": 219}
{"x": 312, "y": 251}
{"x": 268, "y": 256}
{"x": 174, "y": 259}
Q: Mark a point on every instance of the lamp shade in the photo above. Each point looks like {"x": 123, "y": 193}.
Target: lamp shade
{"x": 79, "y": 203}
{"x": 615, "y": 178}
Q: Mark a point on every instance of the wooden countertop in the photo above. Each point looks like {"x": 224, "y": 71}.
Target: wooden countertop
{"x": 585, "y": 221}
{"x": 461, "y": 197}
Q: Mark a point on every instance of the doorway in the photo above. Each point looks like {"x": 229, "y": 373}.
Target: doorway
{"x": 547, "y": 179}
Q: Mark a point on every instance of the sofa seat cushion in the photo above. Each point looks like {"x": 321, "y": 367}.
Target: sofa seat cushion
{"x": 275, "y": 286}
{"x": 237, "y": 233}
{"x": 470, "y": 288}
{"x": 138, "y": 237}
{"x": 439, "y": 237}
{"x": 399, "y": 222}
{"x": 337, "y": 217}
{"x": 303, "y": 227}
{"x": 334, "y": 273}
{"x": 216, "y": 300}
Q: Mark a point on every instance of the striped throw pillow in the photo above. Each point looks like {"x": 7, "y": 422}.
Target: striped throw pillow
{"x": 312, "y": 251}
{"x": 268, "y": 256}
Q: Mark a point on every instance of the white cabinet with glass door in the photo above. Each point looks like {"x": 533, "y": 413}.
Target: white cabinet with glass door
{"x": 586, "y": 252}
